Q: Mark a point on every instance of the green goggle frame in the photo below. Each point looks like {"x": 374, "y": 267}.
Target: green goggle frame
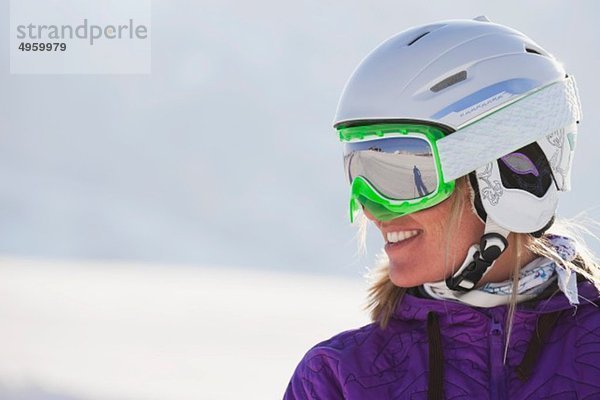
{"x": 363, "y": 193}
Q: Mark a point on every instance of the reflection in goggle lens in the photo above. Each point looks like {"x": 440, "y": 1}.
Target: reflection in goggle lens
{"x": 400, "y": 168}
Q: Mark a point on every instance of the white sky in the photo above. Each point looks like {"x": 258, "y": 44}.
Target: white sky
{"x": 229, "y": 140}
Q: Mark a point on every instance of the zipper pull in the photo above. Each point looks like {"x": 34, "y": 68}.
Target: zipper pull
{"x": 496, "y": 327}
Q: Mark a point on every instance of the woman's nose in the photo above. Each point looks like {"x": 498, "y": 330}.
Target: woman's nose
{"x": 371, "y": 217}
{"x": 368, "y": 214}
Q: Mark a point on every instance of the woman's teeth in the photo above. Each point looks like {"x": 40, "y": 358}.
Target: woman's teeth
{"x": 395, "y": 237}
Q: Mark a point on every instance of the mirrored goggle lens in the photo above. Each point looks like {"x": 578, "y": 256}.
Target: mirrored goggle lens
{"x": 400, "y": 168}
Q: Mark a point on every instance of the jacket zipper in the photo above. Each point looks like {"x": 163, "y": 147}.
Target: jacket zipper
{"x": 497, "y": 378}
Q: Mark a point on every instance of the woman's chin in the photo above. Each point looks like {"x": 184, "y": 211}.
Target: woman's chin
{"x": 406, "y": 274}
{"x": 402, "y": 276}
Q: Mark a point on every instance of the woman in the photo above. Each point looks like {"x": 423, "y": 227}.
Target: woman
{"x": 457, "y": 138}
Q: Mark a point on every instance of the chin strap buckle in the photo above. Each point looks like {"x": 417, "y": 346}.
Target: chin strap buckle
{"x": 478, "y": 262}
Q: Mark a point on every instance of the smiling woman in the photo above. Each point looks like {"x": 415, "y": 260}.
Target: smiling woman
{"x": 458, "y": 137}
{"x": 417, "y": 257}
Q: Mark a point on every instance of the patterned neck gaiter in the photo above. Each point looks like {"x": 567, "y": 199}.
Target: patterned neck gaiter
{"x": 534, "y": 278}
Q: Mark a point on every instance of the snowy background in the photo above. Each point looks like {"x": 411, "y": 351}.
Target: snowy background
{"x": 184, "y": 234}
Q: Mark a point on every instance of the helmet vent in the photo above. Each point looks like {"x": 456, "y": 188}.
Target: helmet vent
{"x": 417, "y": 38}
{"x": 449, "y": 81}
{"x": 529, "y": 50}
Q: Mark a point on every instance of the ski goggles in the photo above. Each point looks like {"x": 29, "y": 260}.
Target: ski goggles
{"x": 393, "y": 169}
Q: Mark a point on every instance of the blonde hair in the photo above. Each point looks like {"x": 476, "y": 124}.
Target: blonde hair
{"x": 383, "y": 295}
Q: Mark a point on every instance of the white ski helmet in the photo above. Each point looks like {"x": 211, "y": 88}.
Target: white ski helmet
{"x": 506, "y": 105}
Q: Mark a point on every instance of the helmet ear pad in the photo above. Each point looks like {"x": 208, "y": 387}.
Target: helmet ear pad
{"x": 476, "y": 198}
{"x": 518, "y": 191}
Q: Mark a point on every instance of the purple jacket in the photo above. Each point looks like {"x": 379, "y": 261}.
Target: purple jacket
{"x": 450, "y": 350}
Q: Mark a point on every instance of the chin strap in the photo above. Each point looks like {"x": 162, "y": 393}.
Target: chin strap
{"x": 480, "y": 257}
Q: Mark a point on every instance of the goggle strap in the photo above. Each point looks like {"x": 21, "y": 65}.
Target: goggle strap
{"x": 513, "y": 126}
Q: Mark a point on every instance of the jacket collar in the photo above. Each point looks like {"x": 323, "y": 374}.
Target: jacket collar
{"x": 412, "y": 307}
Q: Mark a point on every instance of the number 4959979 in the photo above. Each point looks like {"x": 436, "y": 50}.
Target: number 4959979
{"x": 24, "y": 46}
